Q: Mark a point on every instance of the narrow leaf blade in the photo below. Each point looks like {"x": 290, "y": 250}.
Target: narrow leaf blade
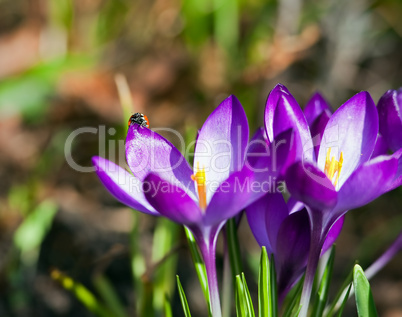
{"x": 263, "y": 288}
{"x": 322, "y": 294}
{"x": 183, "y": 298}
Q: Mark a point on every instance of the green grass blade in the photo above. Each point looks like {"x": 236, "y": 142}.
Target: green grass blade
{"x": 198, "y": 263}
{"x": 233, "y": 247}
{"x": 345, "y": 299}
{"x": 337, "y": 301}
{"x": 263, "y": 287}
{"x": 183, "y": 298}
{"x": 241, "y": 304}
{"x": 81, "y": 293}
{"x": 293, "y": 298}
{"x": 322, "y": 294}
{"x": 247, "y": 295}
{"x": 364, "y": 298}
{"x": 273, "y": 290}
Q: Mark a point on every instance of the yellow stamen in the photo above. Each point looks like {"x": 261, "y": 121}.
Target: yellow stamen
{"x": 332, "y": 166}
{"x": 200, "y": 180}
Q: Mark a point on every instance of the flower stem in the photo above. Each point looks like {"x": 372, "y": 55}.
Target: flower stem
{"x": 312, "y": 264}
{"x": 208, "y": 247}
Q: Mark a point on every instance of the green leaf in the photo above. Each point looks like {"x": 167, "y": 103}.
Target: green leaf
{"x": 273, "y": 290}
{"x": 244, "y": 304}
{"x": 263, "y": 284}
{"x": 241, "y": 303}
{"x": 345, "y": 299}
{"x": 293, "y": 299}
{"x": 198, "y": 263}
{"x": 250, "y": 307}
{"x": 322, "y": 294}
{"x": 183, "y": 298}
{"x": 364, "y": 297}
{"x": 337, "y": 301}
{"x": 233, "y": 247}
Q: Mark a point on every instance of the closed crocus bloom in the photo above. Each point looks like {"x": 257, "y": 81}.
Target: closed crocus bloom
{"x": 338, "y": 172}
{"x": 344, "y": 176}
{"x": 284, "y": 229}
{"x": 390, "y": 118}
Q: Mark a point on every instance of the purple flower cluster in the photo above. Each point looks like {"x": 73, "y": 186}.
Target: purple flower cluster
{"x": 330, "y": 163}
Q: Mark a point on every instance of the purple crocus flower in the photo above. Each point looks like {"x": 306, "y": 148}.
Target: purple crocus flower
{"x": 342, "y": 176}
{"x": 202, "y": 198}
{"x": 390, "y": 118}
{"x": 284, "y": 229}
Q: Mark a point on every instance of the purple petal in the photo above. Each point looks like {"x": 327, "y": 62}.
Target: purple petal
{"x": 294, "y": 205}
{"x": 222, "y": 142}
{"x": 124, "y": 187}
{"x": 149, "y": 152}
{"x": 265, "y": 217}
{"x": 282, "y": 113}
{"x": 292, "y": 248}
{"x": 390, "y": 116}
{"x": 317, "y": 129}
{"x": 258, "y": 151}
{"x": 311, "y": 186}
{"x": 333, "y": 234}
{"x": 352, "y": 130}
{"x": 270, "y": 161}
{"x": 367, "y": 183}
{"x": 315, "y": 107}
{"x": 232, "y": 196}
{"x": 283, "y": 151}
{"x": 398, "y": 175}
{"x": 381, "y": 146}
{"x": 171, "y": 201}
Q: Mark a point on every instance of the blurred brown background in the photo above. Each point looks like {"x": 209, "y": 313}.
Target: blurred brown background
{"x": 58, "y": 66}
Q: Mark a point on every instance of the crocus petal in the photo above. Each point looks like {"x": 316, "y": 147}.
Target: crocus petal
{"x": 294, "y": 205}
{"x": 270, "y": 160}
{"x": 222, "y": 142}
{"x": 256, "y": 214}
{"x": 352, "y": 130}
{"x": 265, "y": 217}
{"x": 381, "y": 146}
{"x": 122, "y": 185}
{"x": 367, "y": 183}
{"x": 232, "y": 196}
{"x": 147, "y": 151}
{"x": 398, "y": 175}
{"x": 311, "y": 186}
{"x": 282, "y": 113}
{"x": 292, "y": 248}
{"x": 390, "y": 116}
{"x": 333, "y": 234}
{"x": 171, "y": 201}
{"x": 258, "y": 151}
{"x": 317, "y": 129}
{"x": 315, "y": 106}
